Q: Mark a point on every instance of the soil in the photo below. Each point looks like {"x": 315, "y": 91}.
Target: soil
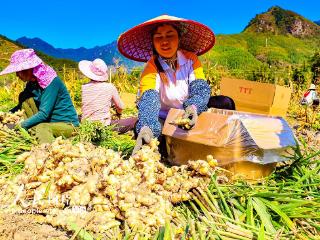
{"x": 26, "y": 227}
{"x": 309, "y": 136}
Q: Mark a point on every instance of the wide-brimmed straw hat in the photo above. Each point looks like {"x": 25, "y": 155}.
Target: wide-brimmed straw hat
{"x": 22, "y": 60}
{"x": 96, "y": 70}
{"x": 136, "y": 43}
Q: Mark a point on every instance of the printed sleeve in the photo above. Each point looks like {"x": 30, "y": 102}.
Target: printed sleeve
{"x": 149, "y": 108}
{"x": 199, "y": 94}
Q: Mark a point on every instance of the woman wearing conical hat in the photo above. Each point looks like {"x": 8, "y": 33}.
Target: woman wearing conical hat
{"x": 173, "y": 76}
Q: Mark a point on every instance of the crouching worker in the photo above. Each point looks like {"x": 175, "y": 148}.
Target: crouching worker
{"x": 310, "y": 98}
{"x": 98, "y": 96}
{"x": 173, "y": 76}
{"x": 47, "y": 104}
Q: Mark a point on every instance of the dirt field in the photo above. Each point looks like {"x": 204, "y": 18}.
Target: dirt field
{"x": 26, "y": 227}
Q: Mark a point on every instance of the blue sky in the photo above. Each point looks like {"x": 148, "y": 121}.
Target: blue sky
{"x": 89, "y": 23}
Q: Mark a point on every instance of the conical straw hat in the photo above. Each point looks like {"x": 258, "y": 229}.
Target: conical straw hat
{"x": 136, "y": 43}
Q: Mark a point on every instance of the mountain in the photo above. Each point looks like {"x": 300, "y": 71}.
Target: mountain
{"x": 106, "y": 52}
{"x": 273, "y": 43}
{"x": 317, "y": 22}
{"x": 279, "y": 21}
{"x": 268, "y": 44}
{"x": 8, "y": 46}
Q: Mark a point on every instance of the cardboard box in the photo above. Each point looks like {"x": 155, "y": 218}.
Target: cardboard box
{"x": 247, "y": 144}
{"x": 255, "y": 97}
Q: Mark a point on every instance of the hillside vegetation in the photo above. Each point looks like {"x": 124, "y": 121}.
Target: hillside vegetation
{"x": 271, "y": 48}
{"x": 8, "y": 46}
{"x": 280, "y": 21}
{"x": 246, "y": 53}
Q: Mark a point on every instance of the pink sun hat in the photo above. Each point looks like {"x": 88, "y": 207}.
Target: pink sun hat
{"x": 21, "y": 60}
{"x": 96, "y": 70}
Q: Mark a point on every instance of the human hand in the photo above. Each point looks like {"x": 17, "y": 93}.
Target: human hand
{"x": 191, "y": 113}
{"x": 118, "y": 115}
{"x": 144, "y": 137}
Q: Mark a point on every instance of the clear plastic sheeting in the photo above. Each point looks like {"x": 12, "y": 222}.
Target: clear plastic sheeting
{"x": 230, "y": 137}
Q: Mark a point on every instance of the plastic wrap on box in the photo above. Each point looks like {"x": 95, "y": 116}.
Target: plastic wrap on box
{"x": 231, "y": 137}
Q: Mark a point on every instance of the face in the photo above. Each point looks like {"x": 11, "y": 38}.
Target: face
{"x": 26, "y": 75}
{"x": 166, "y": 41}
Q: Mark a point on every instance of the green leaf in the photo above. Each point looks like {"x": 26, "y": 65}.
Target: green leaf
{"x": 200, "y": 231}
{"x": 161, "y": 233}
{"x": 82, "y": 234}
{"x": 224, "y": 203}
{"x": 284, "y": 217}
{"x": 46, "y": 193}
{"x": 167, "y": 230}
{"x": 308, "y": 174}
{"x": 261, "y": 235}
{"x": 265, "y": 217}
{"x": 249, "y": 212}
{"x": 186, "y": 230}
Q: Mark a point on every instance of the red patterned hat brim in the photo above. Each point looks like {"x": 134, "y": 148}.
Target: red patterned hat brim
{"x": 136, "y": 43}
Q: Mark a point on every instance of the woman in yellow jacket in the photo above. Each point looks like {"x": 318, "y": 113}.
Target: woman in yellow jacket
{"x": 173, "y": 76}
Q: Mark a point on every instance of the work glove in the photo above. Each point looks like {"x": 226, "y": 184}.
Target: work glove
{"x": 144, "y": 137}
{"x": 191, "y": 113}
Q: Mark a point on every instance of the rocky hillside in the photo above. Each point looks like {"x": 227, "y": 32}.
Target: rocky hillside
{"x": 8, "y": 46}
{"x": 279, "y": 21}
{"x": 273, "y": 43}
{"x": 268, "y": 42}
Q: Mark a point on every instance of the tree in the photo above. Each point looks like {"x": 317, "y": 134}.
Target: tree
{"x": 298, "y": 77}
{"x": 315, "y": 67}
